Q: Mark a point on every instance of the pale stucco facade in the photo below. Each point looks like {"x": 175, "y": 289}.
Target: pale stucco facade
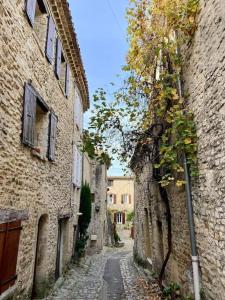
{"x": 120, "y": 197}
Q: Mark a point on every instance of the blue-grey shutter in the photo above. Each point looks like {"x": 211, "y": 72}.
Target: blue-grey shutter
{"x": 52, "y": 135}
{"x": 29, "y": 115}
{"x": 67, "y": 80}
{"x": 50, "y": 40}
{"x": 58, "y": 58}
{"x": 30, "y": 10}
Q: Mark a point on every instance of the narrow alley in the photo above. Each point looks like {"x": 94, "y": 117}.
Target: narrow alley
{"x": 112, "y": 274}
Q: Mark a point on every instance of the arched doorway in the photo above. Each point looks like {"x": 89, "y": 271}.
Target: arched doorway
{"x": 40, "y": 269}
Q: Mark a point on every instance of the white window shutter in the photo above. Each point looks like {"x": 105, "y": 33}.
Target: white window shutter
{"x": 76, "y": 109}
{"x": 74, "y": 164}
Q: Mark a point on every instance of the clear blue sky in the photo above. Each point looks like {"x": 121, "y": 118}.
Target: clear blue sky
{"x": 101, "y": 29}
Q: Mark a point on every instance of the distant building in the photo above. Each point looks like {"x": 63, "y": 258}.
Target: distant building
{"x": 120, "y": 197}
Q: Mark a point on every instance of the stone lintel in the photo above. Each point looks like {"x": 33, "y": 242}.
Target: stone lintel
{"x": 9, "y": 215}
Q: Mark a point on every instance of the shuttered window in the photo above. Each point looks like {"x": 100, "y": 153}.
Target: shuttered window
{"x": 77, "y": 166}
{"x": 29, "y": 115}
{"x": 67, "y": 80}
{"x": 9, "y": 245}
{"x": 78, "y": 112}
{"x": 50, "y": 40}
{"x": 52, "y": 136}
{"x": 30, "y": 10}
{"x": 58, "y": 58}
{"x": 114, "y": 198}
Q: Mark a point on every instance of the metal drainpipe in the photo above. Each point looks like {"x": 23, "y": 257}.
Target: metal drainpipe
{"x": 194, "y": 255}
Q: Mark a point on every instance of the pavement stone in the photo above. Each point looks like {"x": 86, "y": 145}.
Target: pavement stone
{"x": 109, "y": 275}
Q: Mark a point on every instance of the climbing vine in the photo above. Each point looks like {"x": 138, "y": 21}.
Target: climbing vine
{"x": 151, "y": 108}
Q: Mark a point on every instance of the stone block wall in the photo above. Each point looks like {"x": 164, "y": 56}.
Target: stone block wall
{"x": 151, "y": 229}
{"x": 204, "y": 76}
{"x": 28, "y": 181}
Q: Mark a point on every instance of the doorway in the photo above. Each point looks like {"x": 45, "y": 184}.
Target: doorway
{"x": 62, "y": 246}
{"x": 40, "y": 269}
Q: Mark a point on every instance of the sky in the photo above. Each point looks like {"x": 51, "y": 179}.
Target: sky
{"x": 101, "y": 30}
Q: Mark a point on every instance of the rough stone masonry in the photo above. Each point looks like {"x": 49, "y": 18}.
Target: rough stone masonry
{"x": 38, "y": 48}
{"x": 203, "y": 74}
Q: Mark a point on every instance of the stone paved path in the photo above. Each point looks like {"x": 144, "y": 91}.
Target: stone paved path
{"x": 111, "y": 275}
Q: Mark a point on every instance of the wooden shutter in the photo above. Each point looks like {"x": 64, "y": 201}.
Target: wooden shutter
{"x": 67, "y": 80}
{"x": 123, "y": 217}
{"x": 9, "y": 244}
{"x": 129, "y": 199}
{"x": 115, "y": 219}
{"x": 50, "y": 40}
{"x": 76, "y": 109}
{"x": 79, "y": 172}
{"x": 81, "y": 116}
{"x": 74, "y": 165}
{"x": 122, "y": 199}
{"x": 29, "y": 115}
{"x": 58, "y": 58}
{"x": 114, "y": 198}
{"x": 30, "y": 10}
{"x": 52, "y": 136}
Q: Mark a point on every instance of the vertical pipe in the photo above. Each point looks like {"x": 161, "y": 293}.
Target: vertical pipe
{"x": 194, "y": 255}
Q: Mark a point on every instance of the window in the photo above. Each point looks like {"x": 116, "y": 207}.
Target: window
{"x": 92, "y": 197}
{"x": 9, "y": 245}
{"x": 78, "y": 110}
{"x": 125, "y": 199}
{"x": 111, "y": 198}
{"x": 110, "y": 182}
{"x": 77, "y": 167}
{"x": 37, "y": 16}
{"x": 119, "y": 217}
{"x": 39, "y": 125}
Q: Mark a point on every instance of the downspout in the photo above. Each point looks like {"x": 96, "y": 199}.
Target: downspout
{"x": 194, "y": 255}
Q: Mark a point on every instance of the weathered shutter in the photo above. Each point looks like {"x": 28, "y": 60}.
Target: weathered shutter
{"x": 67, "y": 80}
{"x": 129, "y": 199}
{"x": 115, "y": 219}
{"x": 79, "y": 169}
{"x": 52, "y": 136}
{"x": 9, "y": 244}
{"x": 81, "y": 116}
{"x": 123, "y": 217}
{"x": 114, "y": 198}
{"x": 29, "y": 115}
{"x": 74, "y": 164}
{"x": 122, "y": 197}
{"x": 58, "y": 58}
{"x": 30, "y": 10}
{"x": 50, "y": 40}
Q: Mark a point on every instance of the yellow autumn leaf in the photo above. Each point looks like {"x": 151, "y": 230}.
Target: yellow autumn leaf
{"x": 187, "y": 141}
{"x": 180, "y": 183}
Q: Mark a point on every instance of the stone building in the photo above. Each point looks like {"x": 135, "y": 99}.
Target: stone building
{"x": 204, "y": 74}
{"x": 43, "y": 96}
{"x": 95, "y": 174}
{"x": 120, "y": 198}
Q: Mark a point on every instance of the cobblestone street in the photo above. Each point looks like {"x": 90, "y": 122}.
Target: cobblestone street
{"x": 111, "y": 274}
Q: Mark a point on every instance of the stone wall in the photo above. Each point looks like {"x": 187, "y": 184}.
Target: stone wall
{"x": 27, "y": 181}
{"x": 204, "y": 74}
{"x": 95, "y": 175}
{"x": 151, "y": 229}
